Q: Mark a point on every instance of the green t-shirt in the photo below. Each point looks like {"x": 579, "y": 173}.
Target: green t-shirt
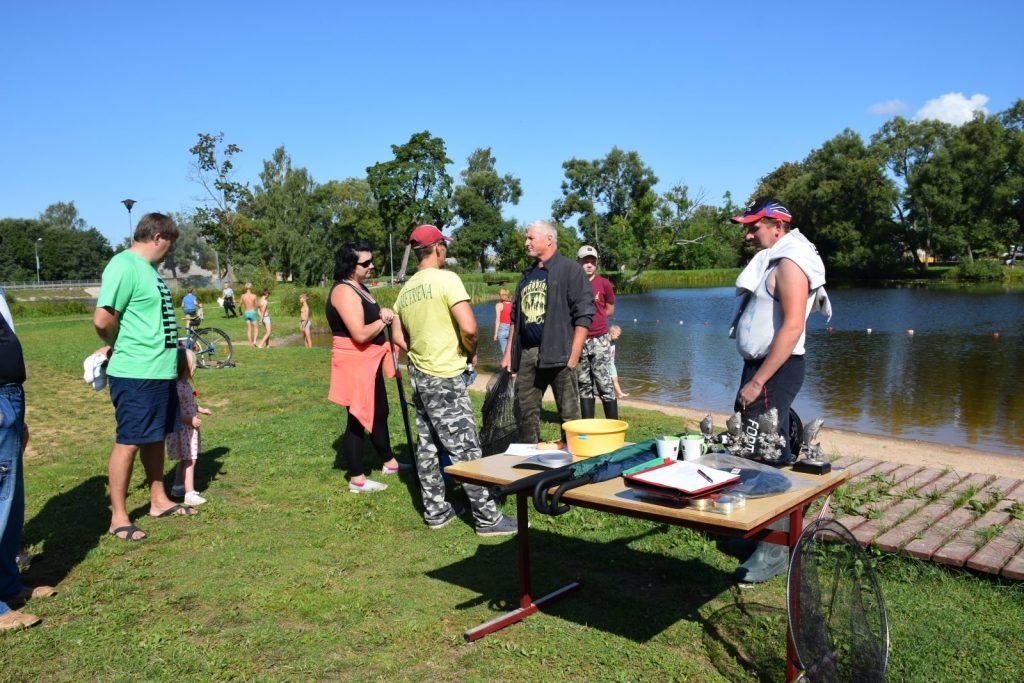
{"x": 147, "y": 339}
{"x": 424, "y": 307}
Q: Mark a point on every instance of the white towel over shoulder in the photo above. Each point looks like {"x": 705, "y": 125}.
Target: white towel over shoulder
{"x": 800, "y": 251}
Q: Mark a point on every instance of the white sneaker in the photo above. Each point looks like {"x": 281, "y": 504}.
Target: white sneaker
{"x": 401, "y": 467}
{"x": 369, "y": 487}
{"x": 177, "y": 491}
{"x": 193, "y": 498}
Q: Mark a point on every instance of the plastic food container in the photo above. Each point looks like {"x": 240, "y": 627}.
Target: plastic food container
{"x": 590, "y": 437}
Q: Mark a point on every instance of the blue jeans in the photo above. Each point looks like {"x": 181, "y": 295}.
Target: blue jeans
{"x": 503, "y": 330}
{"x": 12, "y": 488}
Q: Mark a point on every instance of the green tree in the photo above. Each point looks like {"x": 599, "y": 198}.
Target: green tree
{"x": 842, "y": 201}
{"x": 478, "y": 203}
{"x": 70, "y": 249}
{"x": 216, "y": 218}
{"x": 613, "y": 202}
{"x": 906, "y": 148}
{"x": 412, "y": 188}
{"x": 17, "y": 248}
{"x": 510, "y": 253}
{"x": 190, "y": 248}
{"x": 700, "y": 236}
{"x": 348, "y": 211}
{"x": 287, "y": 216}
{"x": 969, "y": 177}
{"x": 1009, "y": 196}
{"x": 63, "y": 215}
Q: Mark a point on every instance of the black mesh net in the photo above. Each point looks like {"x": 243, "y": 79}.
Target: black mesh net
{"x": 499, "y": 414}
{"x": 836, "y": 612}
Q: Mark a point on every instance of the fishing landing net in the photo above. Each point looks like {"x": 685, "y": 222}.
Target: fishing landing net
{"x": 499, "y": 414}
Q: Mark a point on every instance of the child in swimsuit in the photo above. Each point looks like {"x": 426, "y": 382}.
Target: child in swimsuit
{"x": 304, "y": 324}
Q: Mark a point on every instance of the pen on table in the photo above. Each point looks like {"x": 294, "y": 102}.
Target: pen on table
{"x": 706, "y": 477}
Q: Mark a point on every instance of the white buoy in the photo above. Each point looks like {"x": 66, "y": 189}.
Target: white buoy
{"x": 680, "y": 322}
{"x": 634, "y": 319}
{"x": 869, "y": 330}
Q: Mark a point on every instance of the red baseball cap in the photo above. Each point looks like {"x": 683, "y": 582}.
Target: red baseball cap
{"x": 764, "y": 207}
{"x": 425, "y": 235}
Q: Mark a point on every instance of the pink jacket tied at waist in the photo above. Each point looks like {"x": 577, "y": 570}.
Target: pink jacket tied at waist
{"x": 353, "y": 374}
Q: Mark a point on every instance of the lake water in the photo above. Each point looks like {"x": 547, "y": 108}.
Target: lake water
{"x": 955, "y": 380}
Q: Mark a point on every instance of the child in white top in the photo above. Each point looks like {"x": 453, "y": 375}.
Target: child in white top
{"x": 184, "y": 444}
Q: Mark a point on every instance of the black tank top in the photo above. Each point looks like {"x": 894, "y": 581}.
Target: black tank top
{"x": 371, "y": 312}
{"x": 12, "y": 362}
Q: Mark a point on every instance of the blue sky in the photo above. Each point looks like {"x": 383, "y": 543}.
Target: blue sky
{"x": 100, "y": 101}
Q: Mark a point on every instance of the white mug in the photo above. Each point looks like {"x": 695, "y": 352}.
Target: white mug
{"x": 693, "y": 446}
{"x": 668, "y": 447}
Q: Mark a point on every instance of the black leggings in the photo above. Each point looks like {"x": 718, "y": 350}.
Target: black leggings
{"x": 379, "y": 437}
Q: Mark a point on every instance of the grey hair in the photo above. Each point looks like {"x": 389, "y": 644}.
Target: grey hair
{"x": 547, "y": 227}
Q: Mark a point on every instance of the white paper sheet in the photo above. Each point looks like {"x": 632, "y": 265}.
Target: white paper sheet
{"x": 685, "y": 476}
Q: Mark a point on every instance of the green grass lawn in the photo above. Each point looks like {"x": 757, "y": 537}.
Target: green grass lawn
{"x": 284, "y": 575}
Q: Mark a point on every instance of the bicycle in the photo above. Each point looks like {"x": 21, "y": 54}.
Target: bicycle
{"x": 211, "y": 346}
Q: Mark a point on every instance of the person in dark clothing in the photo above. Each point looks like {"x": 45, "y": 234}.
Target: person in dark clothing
{"x": 551, "y": 314}
{"x": 13, "y": 439}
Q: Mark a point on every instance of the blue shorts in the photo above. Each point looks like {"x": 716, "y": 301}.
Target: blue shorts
{"x": 146, "y": 410}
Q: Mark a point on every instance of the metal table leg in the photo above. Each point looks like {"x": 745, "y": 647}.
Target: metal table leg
{"x": 527, "y": 605}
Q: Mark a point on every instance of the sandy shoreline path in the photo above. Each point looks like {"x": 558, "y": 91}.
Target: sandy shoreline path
{"x": 836, "y": 442}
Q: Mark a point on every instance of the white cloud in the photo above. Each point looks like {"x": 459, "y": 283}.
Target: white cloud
{"x": 887, "y": 108}
{"x": 953, "y": 108}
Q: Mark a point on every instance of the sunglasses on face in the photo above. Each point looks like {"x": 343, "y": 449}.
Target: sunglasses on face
{"x": 365, "y": 264}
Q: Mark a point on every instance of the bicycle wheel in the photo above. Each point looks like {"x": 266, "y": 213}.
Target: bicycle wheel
{"x": 212, "y": 348}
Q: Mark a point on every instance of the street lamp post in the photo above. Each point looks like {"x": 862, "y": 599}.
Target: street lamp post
{"x": 128, "y": 204}
{"x": 391, "y": 255}
{"x": 36, "y": 245}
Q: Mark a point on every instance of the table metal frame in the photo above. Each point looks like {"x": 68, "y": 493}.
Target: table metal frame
{"x": 751, "y": 521}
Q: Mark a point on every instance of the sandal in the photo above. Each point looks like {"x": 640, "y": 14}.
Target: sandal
{"x": 129, "y": 532}
{"x": 14, "y": 619}
{"x": 19, "y": 599}
{"x": 177, "y": 511}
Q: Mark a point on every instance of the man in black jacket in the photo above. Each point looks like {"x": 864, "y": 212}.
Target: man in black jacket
{"x": 13, "y": 439}
{"x": 551, "y": 313}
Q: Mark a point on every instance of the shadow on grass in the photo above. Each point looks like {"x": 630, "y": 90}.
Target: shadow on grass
{"x": 374, "y": 461}
{"x": 71, "y": 523}
{"x": 208, "y": 468}
{"x": 742, "y": 639}
{"x": 630, "y": 593}
{"x": 68, "y": 527}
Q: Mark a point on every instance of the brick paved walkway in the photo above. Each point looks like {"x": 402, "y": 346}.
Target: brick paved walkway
{"x": 964, "y": 520}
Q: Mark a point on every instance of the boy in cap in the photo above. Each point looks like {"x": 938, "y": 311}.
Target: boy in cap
{"x": 594, "y": 370}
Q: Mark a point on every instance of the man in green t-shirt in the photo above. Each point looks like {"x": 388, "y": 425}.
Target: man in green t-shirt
{"x": 135, "y": 319}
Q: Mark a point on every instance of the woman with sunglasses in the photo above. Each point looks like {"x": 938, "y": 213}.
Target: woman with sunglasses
{"x": 358, "y": 353}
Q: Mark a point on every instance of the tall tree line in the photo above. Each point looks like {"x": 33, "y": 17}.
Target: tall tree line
{"x": 915, "y": 193}
{"x": 66, "y": 247}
